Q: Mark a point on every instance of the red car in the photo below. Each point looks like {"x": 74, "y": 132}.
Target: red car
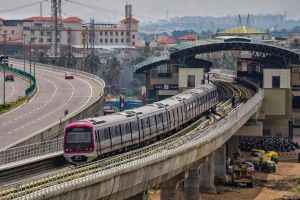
{"x": 69, "y": 76}
{"x": 9, "y": 77}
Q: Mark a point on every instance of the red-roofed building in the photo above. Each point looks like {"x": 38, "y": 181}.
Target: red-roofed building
{"x": 70, "y": 34}
{"x": 188, "y": 38}
{"x": 162, "y": 44}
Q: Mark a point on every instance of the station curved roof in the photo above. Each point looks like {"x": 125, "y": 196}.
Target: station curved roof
{"x": 150, "y": 64}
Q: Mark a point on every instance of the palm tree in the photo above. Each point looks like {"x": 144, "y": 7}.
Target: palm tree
{"x": 92, "y": 62}
{"x": 113, "y": 71}
{"x": 71, "y": 61}
{"x": 61, "y": 61}
{"x": 41, "y": 57}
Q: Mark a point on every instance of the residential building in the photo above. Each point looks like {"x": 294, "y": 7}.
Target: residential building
{"x": 162, "y": 44}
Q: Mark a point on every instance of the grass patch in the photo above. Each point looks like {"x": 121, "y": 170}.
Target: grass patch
{"x": 6, "y": 106}
{"x": 296, "y": 186}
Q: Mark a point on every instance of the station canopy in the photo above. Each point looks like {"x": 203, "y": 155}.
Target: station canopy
{"x": 150, "y": 64}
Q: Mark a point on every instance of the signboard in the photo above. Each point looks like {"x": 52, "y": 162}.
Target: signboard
{"x": 296, "y": 87}
{"x": 165, "y": 87}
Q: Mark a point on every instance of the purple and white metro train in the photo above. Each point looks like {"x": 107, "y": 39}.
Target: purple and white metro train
{"x": 91, "y": 138}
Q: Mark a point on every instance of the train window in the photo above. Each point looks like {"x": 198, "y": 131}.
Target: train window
{"x": 106, "y": 134}
{"x": 117, "y": 131}
{"x": 152, "y": 121}
{"x": 127, "y": 129}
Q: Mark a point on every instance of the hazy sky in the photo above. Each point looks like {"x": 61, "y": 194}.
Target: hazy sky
{"x": 145, "y": 10}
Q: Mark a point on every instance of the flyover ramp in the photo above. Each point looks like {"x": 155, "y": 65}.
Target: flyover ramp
{"x": 44, "y": 110}
{"x": 13, "y": 89}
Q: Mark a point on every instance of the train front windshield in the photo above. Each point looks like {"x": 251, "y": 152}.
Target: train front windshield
{"x": 78, "y": 139}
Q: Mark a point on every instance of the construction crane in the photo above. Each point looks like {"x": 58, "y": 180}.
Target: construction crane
{"x": 83, "y": 44}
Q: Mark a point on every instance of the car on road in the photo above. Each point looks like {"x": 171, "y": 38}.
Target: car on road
{"x": 9, "y": 77}
{"x": 69, "y": 76}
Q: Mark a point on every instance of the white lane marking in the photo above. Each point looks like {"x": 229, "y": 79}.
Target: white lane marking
{"x": 13, "y": 91}
{"x": 70, "y": 115}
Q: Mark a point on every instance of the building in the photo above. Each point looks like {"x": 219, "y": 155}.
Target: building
{"x": 162, "y": 44}
{"x": 188, "y": 38}
{"x": 70, "y": 38}
{"x": 243, "y": 31}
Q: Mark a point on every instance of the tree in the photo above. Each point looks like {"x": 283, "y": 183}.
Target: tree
{"x": 92, "y": 62}
{"x": 61, "y": 61}
{"x": 113, "y": 71}
{"x": 146, "y": 52}
{"x": 136, "y": 87}
{"x": 71, "y": 61}
{"x": 41, "y": 57}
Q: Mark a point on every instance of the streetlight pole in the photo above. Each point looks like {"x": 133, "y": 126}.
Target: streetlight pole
{"x": 30, "y": 57}
{"x": 4, "y": 66}
{"x": 34, "y": 57}
{"x": 24, "y": 38}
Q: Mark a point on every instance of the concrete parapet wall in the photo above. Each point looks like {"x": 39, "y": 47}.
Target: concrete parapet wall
{"x": 136, "y": 177}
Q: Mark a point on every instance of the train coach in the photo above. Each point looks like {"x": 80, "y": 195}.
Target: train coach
{"x": 92, "y": 138}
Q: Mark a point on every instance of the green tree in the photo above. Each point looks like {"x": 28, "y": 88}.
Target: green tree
{"x": 61, "y": 61}
{"x": 41, "y": 57}
{"x": 146, "y": 52}
{"x": 92, "y": 62}
{"x": 71, "y": 61}
{"x": 113, "y": 71}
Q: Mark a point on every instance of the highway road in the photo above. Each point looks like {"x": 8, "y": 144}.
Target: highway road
{"x": 55, "y": 94}
{"x": 13, "y": 90}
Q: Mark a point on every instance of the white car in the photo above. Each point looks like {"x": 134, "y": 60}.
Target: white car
{"x": 249, "y": 165}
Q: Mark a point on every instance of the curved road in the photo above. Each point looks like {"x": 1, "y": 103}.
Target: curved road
{"x": 13, "y": 90}
{"x": 55, "y": 94}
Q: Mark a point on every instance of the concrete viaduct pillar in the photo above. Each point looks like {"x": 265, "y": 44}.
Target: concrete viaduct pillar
{"x": 141, "y": 196}
{"x": 169, "y": 188}
{"x": 220, "y": 164}
{"x": 233, "y": 146}
{"x": 207, "y": 175}
{"x": 191, "y": 184}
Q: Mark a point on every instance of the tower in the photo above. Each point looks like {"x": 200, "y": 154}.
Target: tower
{"x": 248, "y": 21}
{"x": 240, "y": 21}
{"x": 56, "y": 25}
{"x": 128, "y": 16}
{"x": 92, "y": 35}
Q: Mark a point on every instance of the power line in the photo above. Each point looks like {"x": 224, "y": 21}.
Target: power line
{"x": 20, "y": 7}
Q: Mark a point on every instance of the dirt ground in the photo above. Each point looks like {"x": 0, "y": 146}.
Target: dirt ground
{"x": 269, "y": 186}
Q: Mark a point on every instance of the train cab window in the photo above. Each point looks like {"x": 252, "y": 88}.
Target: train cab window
{"x": 106, "y": 134}
{"x": 117, "y": 131}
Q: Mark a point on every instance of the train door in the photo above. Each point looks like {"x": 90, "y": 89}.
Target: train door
{"x": 116, "y": 137}
{"x": 135, "y": 132}
{"x": 175, "y": 117}
{"x": 105, "y": 140}
{"x": 153, "y": 126}
{"x": 97, "y": 141}
{"x": 141, "y": 130}
{"x": 126, "y": 134}
{"x": 171, "y": 119}
{"x": 159, "y": 124}
{"x": 146, "y": 128}
{"x": 165, "y": 121}
{"x": 179, "y": 115}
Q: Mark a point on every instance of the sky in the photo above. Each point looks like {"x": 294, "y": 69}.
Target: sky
{"x": 151, "y": 10}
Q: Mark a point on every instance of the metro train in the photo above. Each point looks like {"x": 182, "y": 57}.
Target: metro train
{"x": 92, "y": 138}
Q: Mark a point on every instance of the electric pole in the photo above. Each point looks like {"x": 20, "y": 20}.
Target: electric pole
{"x": 30, "y": 57}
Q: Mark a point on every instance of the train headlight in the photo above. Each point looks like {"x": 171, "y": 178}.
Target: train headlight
{"x": 66, "y": 149}
{"x": 91, "y": 149}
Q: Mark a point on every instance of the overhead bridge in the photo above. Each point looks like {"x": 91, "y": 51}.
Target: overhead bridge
{"x": 129, "y": 175}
